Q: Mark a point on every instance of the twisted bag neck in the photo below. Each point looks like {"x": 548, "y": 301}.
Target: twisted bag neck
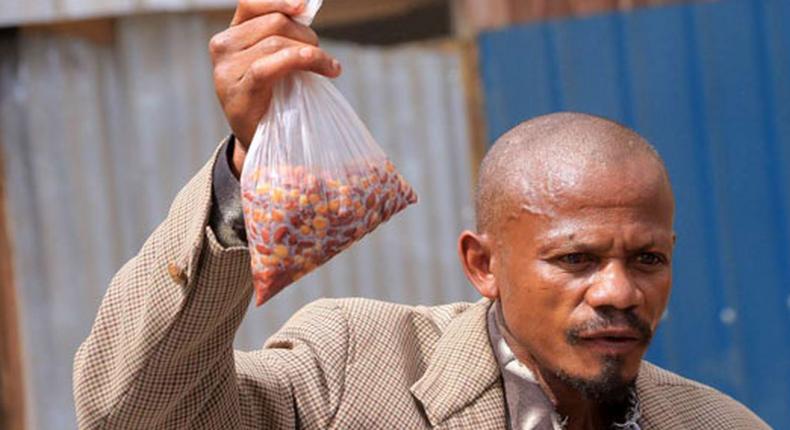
{"x": 309, "y": 12}
{"x": 291, "y": 86}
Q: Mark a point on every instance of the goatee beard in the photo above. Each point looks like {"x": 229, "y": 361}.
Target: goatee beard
{"x": 608, "y": 388}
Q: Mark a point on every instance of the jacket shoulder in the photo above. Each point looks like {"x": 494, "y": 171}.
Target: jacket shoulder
{"x": 697, "y": 405}
{"x": 363, "y": 310}
{"x": 361, "y": 315}
{"x": 377, "y": 315}
{"x": 377, "y": 326}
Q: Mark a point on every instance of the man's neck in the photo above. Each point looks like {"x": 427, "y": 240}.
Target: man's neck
{"x": 579, "y": 411}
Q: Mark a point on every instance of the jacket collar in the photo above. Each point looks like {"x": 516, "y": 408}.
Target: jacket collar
{"x": 461, "y": 368}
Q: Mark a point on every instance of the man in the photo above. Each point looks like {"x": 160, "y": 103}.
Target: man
{"x": 572, "y": 253}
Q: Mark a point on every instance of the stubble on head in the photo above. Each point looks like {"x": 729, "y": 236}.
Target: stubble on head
{"x": 531, "y": 168}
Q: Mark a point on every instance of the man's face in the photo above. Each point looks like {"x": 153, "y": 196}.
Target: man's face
{"x": 583, "y": 283}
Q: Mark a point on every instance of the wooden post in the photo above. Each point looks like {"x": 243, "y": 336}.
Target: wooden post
{"x": 473, "y": 90}
{"x": 99, "y": 30}
{"x": 12, "y": 405}
{"x": 473, "y": 16}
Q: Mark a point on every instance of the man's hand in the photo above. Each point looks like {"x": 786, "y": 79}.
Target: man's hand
{"x": 261, "y": 45}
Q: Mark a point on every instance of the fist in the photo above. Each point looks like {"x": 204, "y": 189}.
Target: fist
{"x": 262, "y": 45}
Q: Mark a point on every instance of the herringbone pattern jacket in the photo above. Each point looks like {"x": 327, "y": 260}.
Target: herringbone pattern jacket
{"x": 160, "y": 355}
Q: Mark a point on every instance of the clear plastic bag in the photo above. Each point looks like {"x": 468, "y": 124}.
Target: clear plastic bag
{"x": 314, "y": 180}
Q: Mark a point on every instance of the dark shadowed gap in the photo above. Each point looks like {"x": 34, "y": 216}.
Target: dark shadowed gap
{"x": 424, "y": 22}
{"x": 11, "y": 386}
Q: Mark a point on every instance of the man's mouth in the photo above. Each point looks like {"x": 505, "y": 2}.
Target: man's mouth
{"x": 611, "y": 341}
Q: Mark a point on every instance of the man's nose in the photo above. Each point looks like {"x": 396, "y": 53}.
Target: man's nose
{"x": 613, "y": 286}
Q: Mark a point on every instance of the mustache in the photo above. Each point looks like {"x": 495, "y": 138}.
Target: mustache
{"x": 611, "y": 318}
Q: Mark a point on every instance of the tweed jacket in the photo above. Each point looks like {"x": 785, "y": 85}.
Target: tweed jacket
{"x": 160, "y": 354}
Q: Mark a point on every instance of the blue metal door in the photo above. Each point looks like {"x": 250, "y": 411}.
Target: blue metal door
{"x": 709, "y": 85}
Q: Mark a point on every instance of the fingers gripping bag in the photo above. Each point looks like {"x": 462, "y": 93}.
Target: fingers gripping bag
{"x": 314, "y": 180}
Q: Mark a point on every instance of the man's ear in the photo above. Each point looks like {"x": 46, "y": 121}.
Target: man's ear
{"x": 475, "y": 251}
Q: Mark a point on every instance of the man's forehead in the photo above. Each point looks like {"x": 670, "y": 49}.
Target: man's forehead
{"x": 593, "y": 228}
{"x": 574, "y": 183}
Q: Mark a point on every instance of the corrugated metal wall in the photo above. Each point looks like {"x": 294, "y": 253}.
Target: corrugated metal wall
{"x": 708, "y": 85}
{"x": 99, "y": 137}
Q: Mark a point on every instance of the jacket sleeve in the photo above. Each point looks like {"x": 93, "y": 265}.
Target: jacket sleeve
{"x": 160, "y": 353}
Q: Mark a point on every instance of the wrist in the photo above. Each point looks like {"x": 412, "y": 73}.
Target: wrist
{"x": 237, "y": 158}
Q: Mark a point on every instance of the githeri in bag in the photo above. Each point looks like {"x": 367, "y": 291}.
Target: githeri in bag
{"x": 314, "y": 180}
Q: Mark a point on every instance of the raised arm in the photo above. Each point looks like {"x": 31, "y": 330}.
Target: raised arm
{"x": 160, "y": 352}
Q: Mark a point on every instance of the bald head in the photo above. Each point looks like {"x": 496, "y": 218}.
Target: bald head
{"x": 541, "y": 162}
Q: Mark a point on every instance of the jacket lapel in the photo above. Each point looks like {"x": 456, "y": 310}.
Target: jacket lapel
{"x": 463, "y": 375}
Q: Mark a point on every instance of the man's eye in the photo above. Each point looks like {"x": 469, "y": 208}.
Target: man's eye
{"x": 649, "y": 259}
{"x": 576, "y": 258}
